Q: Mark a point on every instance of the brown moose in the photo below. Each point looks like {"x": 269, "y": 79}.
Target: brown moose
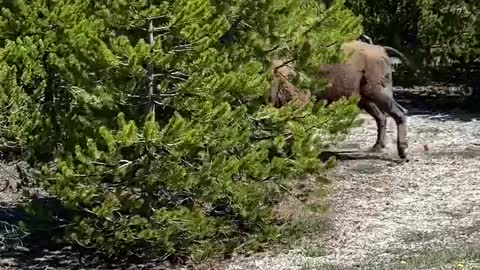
{"x": 367, "y": 74}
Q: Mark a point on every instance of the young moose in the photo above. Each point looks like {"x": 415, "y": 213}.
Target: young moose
{"x": 367, "y": 73}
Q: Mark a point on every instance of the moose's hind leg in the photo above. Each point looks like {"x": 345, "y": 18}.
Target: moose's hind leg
{"x": 385, "y": 101}
{"x": 400, "y": 120}
{"x": 380, "y": 119}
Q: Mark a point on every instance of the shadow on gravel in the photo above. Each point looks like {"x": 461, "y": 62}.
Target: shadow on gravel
{"x": 441, "y": 102}
{"x": 21, "y": 250}
{"x": 355, "y": 153}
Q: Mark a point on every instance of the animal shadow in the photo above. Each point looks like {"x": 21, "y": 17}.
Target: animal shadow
{"x": 359, "y": 154}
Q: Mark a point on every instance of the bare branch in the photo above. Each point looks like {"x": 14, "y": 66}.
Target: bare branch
{"x": 160, "y": 28}
{"x": 156, "y": 17}
{"x": 159, "y": 103}
{"x": 173, "y": 94}
{"x": 368, "y": 38}
{"x": 135, "y": 96}
{"x": 284, "y": 64}
{"x": 150, "y": 70}
{"x": 91, "y": 212}
{"x": 181, "y": 50}
{"x": 174, "y": 75}
{"x": 126, "y": 163}
{"x": 178, "y": 78}
{"x": 276, "y": 47}
{"x": 179, "y": 73}
{"x": 331, "y": 44}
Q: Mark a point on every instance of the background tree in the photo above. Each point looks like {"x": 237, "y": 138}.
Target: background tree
{"x": 433, "y": 33}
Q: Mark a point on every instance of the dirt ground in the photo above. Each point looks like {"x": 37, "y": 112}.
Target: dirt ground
{"x": 420, "y": 214}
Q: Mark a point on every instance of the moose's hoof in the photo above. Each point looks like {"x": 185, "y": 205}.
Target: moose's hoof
{"x": 377, "y": 148}
{"x": 402, "y": 152}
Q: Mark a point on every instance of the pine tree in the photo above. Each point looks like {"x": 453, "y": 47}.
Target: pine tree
{"x": 434, "y": 32}
{"x": 54, "y": 54}
{"x": 450, "y": 30}
{"x": 194, "y": 165}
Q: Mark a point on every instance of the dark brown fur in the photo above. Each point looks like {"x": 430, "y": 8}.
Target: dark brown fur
{"x": 366, "y": 73}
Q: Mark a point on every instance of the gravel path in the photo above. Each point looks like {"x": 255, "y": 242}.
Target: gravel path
{"x": 384, "y": 212}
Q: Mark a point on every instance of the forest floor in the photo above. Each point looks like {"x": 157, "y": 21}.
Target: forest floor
{"x": 381, "y": 213}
